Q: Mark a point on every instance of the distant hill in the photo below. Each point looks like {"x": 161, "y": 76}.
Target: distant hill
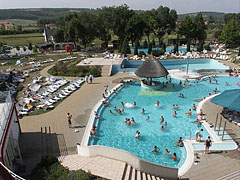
{"x": 37, "y": 13}
{"x": 217, "y": 15}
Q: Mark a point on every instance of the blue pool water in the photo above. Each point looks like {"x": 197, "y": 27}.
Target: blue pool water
{"x": 194, "y": 64}
{"x": 113, "y": 131}
{"x": 168, "y": 49}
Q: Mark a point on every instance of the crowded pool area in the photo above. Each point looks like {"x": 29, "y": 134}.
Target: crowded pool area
{"x": 112, "y": 130}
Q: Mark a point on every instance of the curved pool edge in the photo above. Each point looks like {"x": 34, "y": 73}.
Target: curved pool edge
{"x": 215, "y": 137}
{"x": 127, "y": 157}
{"x": 189, "y": 158}
{"x": 86, "y": 134}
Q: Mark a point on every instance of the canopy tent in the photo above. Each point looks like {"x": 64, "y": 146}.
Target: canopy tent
{"x": 229, "y": 99}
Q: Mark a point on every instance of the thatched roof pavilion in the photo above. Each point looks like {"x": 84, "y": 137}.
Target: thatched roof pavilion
{"x": 151, "y": 68}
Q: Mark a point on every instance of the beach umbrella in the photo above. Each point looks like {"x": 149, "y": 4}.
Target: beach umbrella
{"x": 229, "y": 99}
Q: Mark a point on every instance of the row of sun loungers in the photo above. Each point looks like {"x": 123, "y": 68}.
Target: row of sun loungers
{"x": 47, "y": 96}
{"x": 67, "y": 58}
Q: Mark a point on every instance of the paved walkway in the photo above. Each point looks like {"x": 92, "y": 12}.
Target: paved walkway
{"x": 63, "y": 139}
{"x": 218, "y": 163}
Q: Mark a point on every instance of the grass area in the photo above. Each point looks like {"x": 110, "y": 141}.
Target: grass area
{"x": 23, "y": 22}
{"x": 22, "y": 39}
{"x": 30, "y": 27}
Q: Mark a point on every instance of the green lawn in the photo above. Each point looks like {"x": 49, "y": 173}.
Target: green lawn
{"x": 22, "y": 39}
{"x": 23, "y": 22}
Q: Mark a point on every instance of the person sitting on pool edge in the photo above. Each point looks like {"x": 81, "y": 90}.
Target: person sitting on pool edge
{"x": 155, "y": 150}
{"x": 180, "y": 142}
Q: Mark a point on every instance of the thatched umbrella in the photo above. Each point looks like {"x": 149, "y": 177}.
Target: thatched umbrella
{"x": 151, "y": 68}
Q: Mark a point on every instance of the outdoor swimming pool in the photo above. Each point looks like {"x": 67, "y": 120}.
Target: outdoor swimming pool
{"x": 113, "y": 131}
{"x": 168, "y": 49}
{"x": 194, "y": 64}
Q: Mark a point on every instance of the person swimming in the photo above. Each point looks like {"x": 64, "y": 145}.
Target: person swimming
{"x": 176, "y": 107}
{"x": 155, "y": 150}
{"x": 161, "y": 119}
{"x": 180, "y": 142}
{"x": 132, "y": 121}
{"x": 174, "y": 157}
{"x": 194, "y": 107}
{"x": 147, "y": 118}
{"x": 162, "y": 128}
{"x": 189, "y": 112}
{"x": 167, "y": 152}
{"x": 174, "y": 114}
{"x": 157, "y": 104}
{"x": 122, "y": 104}
{"x": 137, "y": 134}
{"x": 143, "y": 110}
{"x": 173, "y": 106}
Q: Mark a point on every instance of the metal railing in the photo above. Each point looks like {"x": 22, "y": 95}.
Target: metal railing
{"x": 9, "y": 172}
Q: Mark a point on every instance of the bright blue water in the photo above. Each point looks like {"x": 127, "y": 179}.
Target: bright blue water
{"x": 113, "y": 131}
{"x": 168, "y": 49}
{"x": 194, "y": 64}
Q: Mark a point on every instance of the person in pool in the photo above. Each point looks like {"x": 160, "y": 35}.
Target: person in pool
{"x": 174, "y": 157}
{"x": 134, "y": 103}
{"x": 148, "y": 117}
{"x": 162, "y": 128}
{"x": 167, "y": 152}
{"x": 132, "y": 121}
{"x": 122, "y": 104}
{"x": 173, "y": 106}
{"x": 194, "y": 107}
{"x": 180, "y": 142}
{"x": 137, "y": 134}
{"x": 189, "y": 112}
{"x": 155, "y": 150}
{"x": 157, "y": 104}
{"x": 176, "y": 107}
{"x": 143, "y": 110}
{"x": 161, "y": 119}
{"x": 174, "y": 114}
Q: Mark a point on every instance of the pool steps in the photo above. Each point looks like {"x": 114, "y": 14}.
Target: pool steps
{"x": 105, "y": 167}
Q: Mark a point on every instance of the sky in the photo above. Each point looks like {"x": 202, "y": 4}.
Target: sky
{"x": 181, "y": 6}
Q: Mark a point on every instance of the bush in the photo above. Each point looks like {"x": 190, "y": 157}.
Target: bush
{"x": 141, "y": 53}
{"x": 49, "y": 168}
{"x": 207, "y": 47}
{"x": 70, "y": 69}
{"x": 158, "y": 52}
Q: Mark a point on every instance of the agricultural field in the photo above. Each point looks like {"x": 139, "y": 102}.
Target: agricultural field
{"x": 22, "y": 39}
{"x": 23, "y": 22}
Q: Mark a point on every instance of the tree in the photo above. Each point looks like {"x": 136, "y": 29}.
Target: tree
{"x": 149, "y": 48}
{"x": 121, "y": 16}
{"x": 104, "y": 24}
{"x": 136, "y": 48}
{"x": 19, "y": 28}
{"x": 59, "y": 34}
{"x": 135, "y": 28}
{"x": 30, "y": 46}
{"x": 125, "y": 47}
{"x": 231, "y": 34}
{"x": 86, "y": 28}
{"x": 153, "y": 43}
{"x": 186, "y": 28}
{"x": 165, "y": 21}
{"x": 211, "y": 19}
{"x": 176, "y": 45}
{"x": 145, "y": 44}
{"x": 149, "y": 23}
{"x": 199, "y": 30}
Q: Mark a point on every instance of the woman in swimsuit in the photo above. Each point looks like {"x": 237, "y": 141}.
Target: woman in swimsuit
{"x": 208, "y": 143}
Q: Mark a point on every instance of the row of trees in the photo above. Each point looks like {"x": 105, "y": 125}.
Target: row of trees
{"x": 193, "y": 30}
{"x": 126, "y": 24}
